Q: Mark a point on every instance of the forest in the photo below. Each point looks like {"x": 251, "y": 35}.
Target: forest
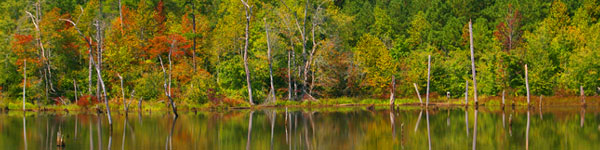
{"x": 247, "y": 52}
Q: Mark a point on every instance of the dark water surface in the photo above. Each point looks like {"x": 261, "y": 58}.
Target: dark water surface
{"x": 328, "y": 128}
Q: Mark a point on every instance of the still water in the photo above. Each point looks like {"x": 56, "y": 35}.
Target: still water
{"x": 327, "y": 128}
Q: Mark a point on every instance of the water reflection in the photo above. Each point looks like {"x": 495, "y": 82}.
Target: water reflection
{"x": 475, "y": 129}
{"x": 527, "y": 131}
{"x": 24, "y": 131}
{"x": 347, "y": 128}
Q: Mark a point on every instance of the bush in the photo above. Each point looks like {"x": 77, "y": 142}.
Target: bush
{"x": 149, "y": 86}
{"x": 200, "y": 89}
{"x": 86, "y": 101}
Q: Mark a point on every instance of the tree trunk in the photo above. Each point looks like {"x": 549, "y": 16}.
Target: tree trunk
{"x": 393, "y": 89}
{"x": 527, "y": 85}
{"x": 582, "y": 95}
{"x": 473, "y": 63}
{"x": 24, "y": 82}
{"x": 272, "y": 93}
{"x": 418, "y": 95}
{"x": 466, "y": 92}
{"x": 75, "y": 87}
{"x": 428, "y": 77}
{"x": 246, "y": 69}
{"x": 167, "y": 83}
{"x": 122, "y": 90}
{"x": 290, "y": 70}
{"x": 194, "y": 38}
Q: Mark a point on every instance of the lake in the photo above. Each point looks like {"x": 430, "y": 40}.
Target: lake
{"x": 319, "y": 128}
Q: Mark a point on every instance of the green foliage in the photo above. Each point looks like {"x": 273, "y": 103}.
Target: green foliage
{"x": 201, "y": 88}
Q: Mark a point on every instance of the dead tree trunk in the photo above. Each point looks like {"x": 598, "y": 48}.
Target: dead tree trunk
{"x": 393, "y": 89}
{"x": 246, "y": 69}
{"x": 194, "y": 38}
{"x": 428, "y": 77}
{"x": 122, "y": 90}
{"x": 290, "y": 70}
{"x": 24, "y": 81}
{"x": 527, "y": 85}
{"x": 466, "y": 92}
{"x": 503, "y": 104}
{"x": 474, "y": 73}
{"x": 418, "y": 95}
{"x": 272, "y": 93}
{"x": 167, "y": 82}
{"x": 582, "y": 95}
{"x": 75, "y": 87}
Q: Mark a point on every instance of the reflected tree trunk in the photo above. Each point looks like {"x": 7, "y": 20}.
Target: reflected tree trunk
{"x": 467, "y": 121}
{"x": 475, "y": 131}
{"x": 169, "y": 143}
{"x": 527, "y": 131}
{"x": 582, "y": 117}
{"x": 249, "y": 130}
{"x": 124, "y": 132}
{"x": 273, "y": 119}
{"x": 503, "y": 119}
{"x": 90, "y": 128}
{"x": 24, "y": 130}
{"x": 510, "y": 124}
{"x": 428, "y": 130}
{"x": 393, "y": 123}
{"x": 99, "y": 129}
{"x": 418, "y": 120}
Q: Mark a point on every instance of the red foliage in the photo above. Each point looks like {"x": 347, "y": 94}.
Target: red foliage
{"x": 87, "y": 100}
{"x": 160, "y": 18}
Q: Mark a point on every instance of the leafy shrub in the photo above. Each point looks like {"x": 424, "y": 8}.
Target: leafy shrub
{"x": 149, "y": 86}
{"x": 87, "y": 100}
{"x": 200, "y": 89}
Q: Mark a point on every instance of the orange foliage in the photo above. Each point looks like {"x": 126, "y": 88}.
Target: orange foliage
{"x": 161, "y": 45}
{"x": 159, "y": 17}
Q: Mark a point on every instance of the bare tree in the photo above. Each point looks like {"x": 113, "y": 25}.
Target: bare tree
{"x": 272, "y": 93}
{"x": 248, "y": 15}
{"x": 75, "y": 87}
{"x": 24, "y": 81}
{"x": 392, "y": 98}
{"x": 96, "y": 66}
{"x": 167, "y": 83}
{"x": 194, "y": 32}
{"x": 473, "y": 63}
{"x": 43, "y": 53}
{"x": 527, "y": 84}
